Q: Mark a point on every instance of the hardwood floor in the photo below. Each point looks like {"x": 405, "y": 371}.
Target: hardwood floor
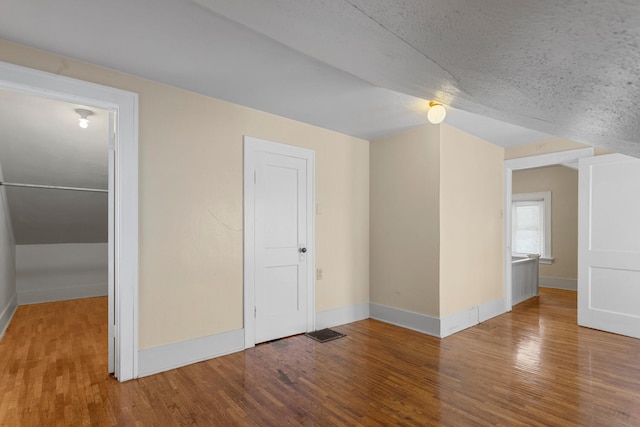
{"x": 533, "y": 366}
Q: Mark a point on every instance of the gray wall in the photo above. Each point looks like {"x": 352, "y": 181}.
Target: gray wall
{"x": 8, "y": 298}
{"x": 61, "y": 271}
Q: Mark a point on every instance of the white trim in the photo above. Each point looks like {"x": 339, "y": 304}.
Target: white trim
{"x": 251, "y": 147}
{"x": 459, "y": 321}
{"x": 527, "y": 163}
{"x": 38, "y": 83}
{"x": 544, "y": 196}
{"x": 559, "y": 283}
{"x": 472, "y": 316}
{"x": 438, "y": 326}
{"x": 342, "y": 315}
{"x": 406, "y": 319}
{"x": 165, "y": 357}
{"x": 7, "y": 315}
{"x": 490, "y": 309}
{"x": 37, "y": 296}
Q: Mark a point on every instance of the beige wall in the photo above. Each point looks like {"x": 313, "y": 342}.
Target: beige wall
{"x": 563, "y": 184}
{"x": 436, "y": 221}
{"x": 405, "y": 220}
{"x": 191, "y": 202}
{"x": 471, "y": 221}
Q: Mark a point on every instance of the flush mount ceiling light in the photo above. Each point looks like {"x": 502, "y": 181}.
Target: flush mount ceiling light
{"x": 84, "y": 121}
{"x": 436, "y": 113}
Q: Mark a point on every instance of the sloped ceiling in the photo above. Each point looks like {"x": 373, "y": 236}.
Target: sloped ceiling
{"x": 41, "y": 143}
{"x": 365, "y": 67}
{"x": 511, "y": 72}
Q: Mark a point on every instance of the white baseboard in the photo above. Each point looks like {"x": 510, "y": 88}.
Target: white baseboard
{"x": 558, "y": 283}
{"x": 458, "y": 321}
{"x": 438, "y": 327}
{"x": 407, "y": 319}
{"x": 342, "y": 315}
{"x": 464, "y": 319}
{"x": 61, "y": 294}
{"x": 491, "y": 309}
{"x": 7, "y": 315}
{"x": 163, "y": 358}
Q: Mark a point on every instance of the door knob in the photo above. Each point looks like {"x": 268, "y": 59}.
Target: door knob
{"x": 303, "y": 250}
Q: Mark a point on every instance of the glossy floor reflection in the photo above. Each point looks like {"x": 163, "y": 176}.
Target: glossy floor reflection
{"x": 533, "y": 366}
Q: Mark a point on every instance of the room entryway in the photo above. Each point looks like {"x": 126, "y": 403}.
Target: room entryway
{"x": 118, "y": 110}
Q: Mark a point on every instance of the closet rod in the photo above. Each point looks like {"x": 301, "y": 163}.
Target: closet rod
{"x": 53, "y": 187}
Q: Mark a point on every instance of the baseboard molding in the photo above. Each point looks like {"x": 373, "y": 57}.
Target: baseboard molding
{"x": 342, "y": 315}
{"x": 558, "y": 283}
{"x": 472, "y": 316}
{"x": 438, "y": 327}
{"x": 491, "y": 309}
{"x": 459, "y": 321}
{"x": 7, "y": 315}
{"x": 163, "y": 358}
{"x": 407, "y": 319}
{"x": 61, "y": 294}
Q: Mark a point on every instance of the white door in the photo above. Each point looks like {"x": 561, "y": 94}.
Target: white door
{"x": 609, "y": 244}
{"x": 281, "y": 234}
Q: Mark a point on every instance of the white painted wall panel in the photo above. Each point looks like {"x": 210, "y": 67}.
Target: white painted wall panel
{"x": 62, "y": 271}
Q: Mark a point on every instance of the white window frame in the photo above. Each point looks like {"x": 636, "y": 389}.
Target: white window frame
{"x": 545, "y": 197}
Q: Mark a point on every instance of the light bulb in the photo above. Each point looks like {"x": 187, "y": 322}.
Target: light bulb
{"x": 83, "y": 122}
{"x": 436, "y": 113}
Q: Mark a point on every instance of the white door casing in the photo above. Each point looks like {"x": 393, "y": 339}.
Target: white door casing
{"x": 520, "y": 164}
{"x": 111, "y": 245}
{"x": 279, "y": 248}
{"x": 609, "y": 244}
{"x": 125, "y": 204}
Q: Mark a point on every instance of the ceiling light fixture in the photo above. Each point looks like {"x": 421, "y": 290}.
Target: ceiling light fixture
{"x": 436, "y": 113}
{"x": 84, "y": 121}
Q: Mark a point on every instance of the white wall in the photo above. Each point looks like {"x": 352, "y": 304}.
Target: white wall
{"x": 8, "y": 298}
{"x": 60, "y": 272}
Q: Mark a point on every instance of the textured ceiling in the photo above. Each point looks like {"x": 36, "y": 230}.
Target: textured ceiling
{"x": 41, "y": 143}
{"x": 322, "y": 62}
{"x": 566, "y": 68}
{"x": 512, "y": 72}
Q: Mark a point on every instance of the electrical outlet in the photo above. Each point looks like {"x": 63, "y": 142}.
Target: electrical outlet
{"x": 318, "y": 274}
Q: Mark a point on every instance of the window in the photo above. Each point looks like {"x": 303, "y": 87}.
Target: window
{"x": 531, "y": 225}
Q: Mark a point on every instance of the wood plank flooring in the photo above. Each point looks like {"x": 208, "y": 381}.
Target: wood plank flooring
{"x": 533, "y": 366}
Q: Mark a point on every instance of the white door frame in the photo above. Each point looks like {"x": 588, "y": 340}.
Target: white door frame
{"x": 125, "y": 104}
{"x": 251, "y": 147}
{"x": 529, "y": 162}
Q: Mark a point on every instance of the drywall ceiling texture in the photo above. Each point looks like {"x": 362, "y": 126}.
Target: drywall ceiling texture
{"x": 41, "y": 143}
{"x": 323, "y": 62}
{"x": 566, "y": 68}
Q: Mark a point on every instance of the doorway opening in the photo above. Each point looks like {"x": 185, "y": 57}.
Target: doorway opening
{"x": 122, "y": 109}
{"x": 520, "y": 164}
